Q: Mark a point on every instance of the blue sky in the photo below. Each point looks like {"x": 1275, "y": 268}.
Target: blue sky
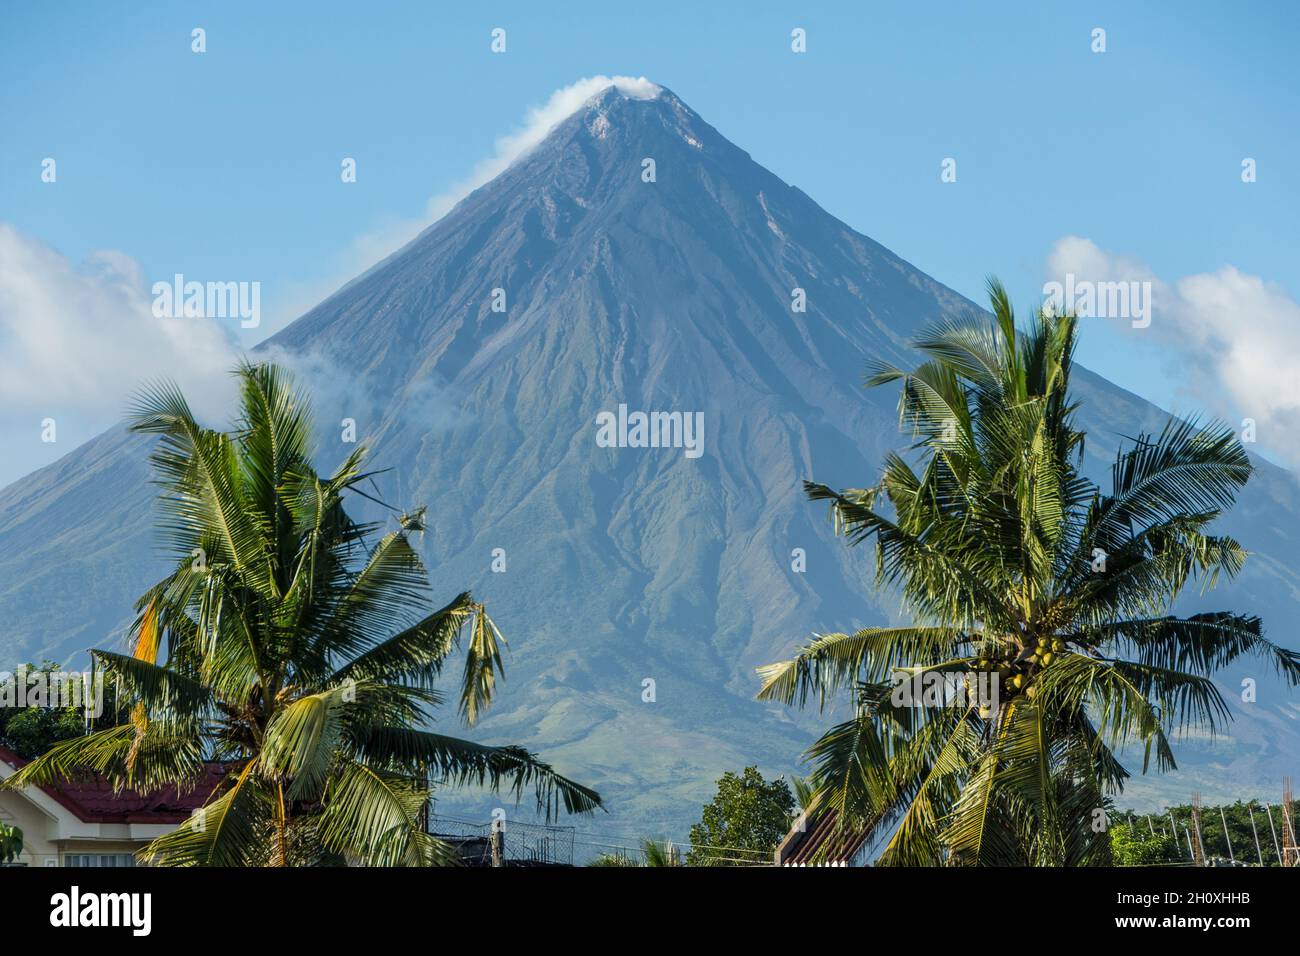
{"x": 225, "y": 165}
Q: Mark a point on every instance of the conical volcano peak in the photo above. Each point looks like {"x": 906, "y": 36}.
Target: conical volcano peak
{"x": 624, "y": 87}
{"x": 579, "y": 98}
{"x": 617, "y": 182}
{"x": 641, "y": 116}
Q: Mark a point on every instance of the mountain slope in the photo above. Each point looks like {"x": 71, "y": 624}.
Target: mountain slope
{"x": 621, "y": 564}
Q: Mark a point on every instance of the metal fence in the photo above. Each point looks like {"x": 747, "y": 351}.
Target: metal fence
{"x": 520, "y": 844}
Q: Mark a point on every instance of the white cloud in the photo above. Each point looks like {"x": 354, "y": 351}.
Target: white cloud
{"x": 562, "y": 104}
{"x": 1230, "y": 329}
{"x": 81, "y": 339}
{"x": 372, "y": 247}
{"x": 337, "y": 391}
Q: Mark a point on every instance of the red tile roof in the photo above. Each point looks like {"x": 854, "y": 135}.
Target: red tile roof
{"x": 817, "y": 841}
{"x": 92, "y": 800}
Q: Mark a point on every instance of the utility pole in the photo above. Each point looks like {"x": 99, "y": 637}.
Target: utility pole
{"x": 1198, "y": 850}
{"x": 1258, "y": 852}
{"x": 1290, "y": 852}
{"x": 1269, "y": 813}
{"x": 496, "y": 842}
{"x": 1226, "y": 835}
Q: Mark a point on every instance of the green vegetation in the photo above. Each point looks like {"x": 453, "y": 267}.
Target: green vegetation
{"x": 653, "y": 853}
{"x": 743, "y": 823}
{"x": 32, "y": 730}
{"x": 659, "y": 854}
{"x": 1020, "y": 572}
{"x": 1133, "y": 846}
{"x": 613, "y": 860}
{"x": 11, "y": 843}
{"x": 296, "y": 649}
{"x": 1240, "y": 830}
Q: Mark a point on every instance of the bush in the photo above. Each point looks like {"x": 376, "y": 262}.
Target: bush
{"x": 31, "y": 731}
{"x": 1133, "y": 846}
{"x": 11, "y": 843}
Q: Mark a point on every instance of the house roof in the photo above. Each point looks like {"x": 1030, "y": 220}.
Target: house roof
{"x": 816, "y": 839}
{"x": 92, "y": 799}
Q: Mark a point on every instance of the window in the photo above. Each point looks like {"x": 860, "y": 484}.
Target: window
{"x": 98, "y": 859}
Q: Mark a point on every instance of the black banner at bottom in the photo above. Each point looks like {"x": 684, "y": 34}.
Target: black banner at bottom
{"x": 133, "y": 906}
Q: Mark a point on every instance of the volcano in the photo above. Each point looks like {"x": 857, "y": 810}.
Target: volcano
{"x": 633, "y": 262}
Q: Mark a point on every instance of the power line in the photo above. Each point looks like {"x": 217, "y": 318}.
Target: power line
{"x": 685, "y": 843}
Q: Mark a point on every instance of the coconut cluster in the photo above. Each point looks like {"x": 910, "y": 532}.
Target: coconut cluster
{"x": 1016, "y": 671}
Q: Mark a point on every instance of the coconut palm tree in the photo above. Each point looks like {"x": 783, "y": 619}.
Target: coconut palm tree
{"x": 1022, "y": 578}
{"x": 295, "y": 649}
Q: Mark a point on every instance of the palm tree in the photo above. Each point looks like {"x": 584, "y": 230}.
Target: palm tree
{"x": 298, "y": 653}
{"x": 1024, "y": 578}
{"x": 659, "y": 854}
